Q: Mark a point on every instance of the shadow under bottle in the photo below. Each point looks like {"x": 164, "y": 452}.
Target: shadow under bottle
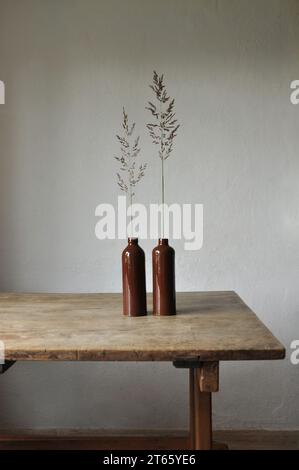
{"x": 163, "y": 259}
{"x": 133, "y": 279}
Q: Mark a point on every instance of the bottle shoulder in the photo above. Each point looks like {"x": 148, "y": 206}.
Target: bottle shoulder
{"x": 161, "y": 249}
{"x": 132, "y": 250}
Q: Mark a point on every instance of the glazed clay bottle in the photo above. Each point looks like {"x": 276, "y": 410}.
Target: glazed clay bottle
{"x": 133, "y": 278}
{"x": 164, "y": 279}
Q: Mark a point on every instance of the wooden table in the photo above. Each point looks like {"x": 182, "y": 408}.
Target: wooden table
{"x": 209, "y": 327}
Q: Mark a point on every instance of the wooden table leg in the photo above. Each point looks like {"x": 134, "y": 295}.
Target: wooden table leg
{"x": 202, "y": 418}
{"x": 202, "y": 381}
{"x": 191, "y": 408}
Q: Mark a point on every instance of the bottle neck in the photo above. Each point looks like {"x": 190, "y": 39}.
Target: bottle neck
{"x": 163, "y": 241}
{"x": 132, "y": 241}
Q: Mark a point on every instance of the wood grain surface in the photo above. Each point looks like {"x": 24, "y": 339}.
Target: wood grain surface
{"x": 91, "y": 327}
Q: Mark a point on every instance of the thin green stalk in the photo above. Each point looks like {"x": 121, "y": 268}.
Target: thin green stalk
{"x": 131, "y": 173}
{"x": 162, "y": 173}
{"x": 163, "y": 130}
{"x": 163, "y": 194}
{"x": 131, "y": 213}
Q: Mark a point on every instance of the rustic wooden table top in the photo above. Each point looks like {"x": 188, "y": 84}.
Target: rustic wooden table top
{"x": 208, "y": 325}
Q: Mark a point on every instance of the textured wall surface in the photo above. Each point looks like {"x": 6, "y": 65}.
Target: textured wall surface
{"x": 68, "y": 67}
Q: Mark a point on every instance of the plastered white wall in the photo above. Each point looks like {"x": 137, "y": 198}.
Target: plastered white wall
{"x": 68, "y": 67}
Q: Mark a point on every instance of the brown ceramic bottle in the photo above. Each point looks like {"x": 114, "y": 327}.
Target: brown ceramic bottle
{"x": 133, "y": 277}
{"x": 164, "y": 279}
